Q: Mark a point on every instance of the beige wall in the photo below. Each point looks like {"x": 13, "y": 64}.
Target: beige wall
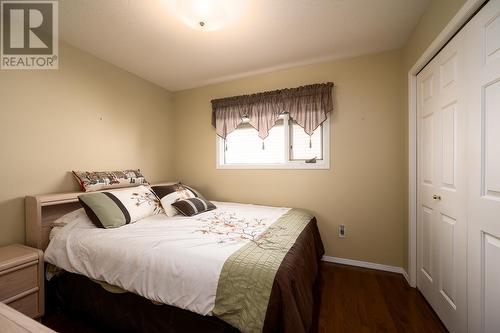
{"x": 50, "y": 125}
{"x": 51, "y": 118}
{"x": 432, "y": 22}
{"x": 364, "y": 188}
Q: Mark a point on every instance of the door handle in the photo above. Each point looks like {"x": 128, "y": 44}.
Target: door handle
{"x": 436, "y": 197}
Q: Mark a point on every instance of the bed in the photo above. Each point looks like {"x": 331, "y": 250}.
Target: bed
{"x": 237, "y": 268}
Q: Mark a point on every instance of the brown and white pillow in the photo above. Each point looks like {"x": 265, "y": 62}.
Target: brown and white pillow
{"x": 101, "y": 180}
{"x": 169, "y": 194}
{"x": 193, "y": 206}
{"x": 113, "y": 209}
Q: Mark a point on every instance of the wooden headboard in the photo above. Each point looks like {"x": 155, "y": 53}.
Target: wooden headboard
{"x": 43, "y": 210}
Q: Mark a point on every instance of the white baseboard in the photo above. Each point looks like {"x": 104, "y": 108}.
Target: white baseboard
{"x": 406, "y": 276}
{"x": 366, "y": 264}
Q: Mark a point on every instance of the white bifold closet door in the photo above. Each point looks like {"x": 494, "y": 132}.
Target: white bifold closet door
{"x": 458, "y": 154}
{"x": 482, "y": 68}
{"x": 442, "y": 192}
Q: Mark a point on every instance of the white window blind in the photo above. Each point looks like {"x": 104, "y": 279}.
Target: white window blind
{"x": 243, "y": 146}
{"x": 303, "y": 146}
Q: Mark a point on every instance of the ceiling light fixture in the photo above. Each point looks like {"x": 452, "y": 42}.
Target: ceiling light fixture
{"x": 208, "y": 15}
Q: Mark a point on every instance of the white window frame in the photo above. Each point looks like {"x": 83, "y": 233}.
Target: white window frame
{"x": 323, "y": 164}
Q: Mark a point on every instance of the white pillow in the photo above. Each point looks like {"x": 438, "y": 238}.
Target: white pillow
{"x": 64, "y": 220}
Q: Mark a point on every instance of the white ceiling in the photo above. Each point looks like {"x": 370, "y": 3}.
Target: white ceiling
{"x": 146, "y": 38}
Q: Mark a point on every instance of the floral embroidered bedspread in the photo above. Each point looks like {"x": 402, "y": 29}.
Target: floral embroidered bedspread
{"x": 248, "y": 275}
{"x": 221, "y": 263}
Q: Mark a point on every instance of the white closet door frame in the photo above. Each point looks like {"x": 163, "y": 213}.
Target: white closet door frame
{"x": 463, "y": 15}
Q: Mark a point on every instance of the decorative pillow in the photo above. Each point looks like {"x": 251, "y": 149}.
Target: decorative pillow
{"x": 95, "y": 181}
{"x": 196, "y": 192}
{"x": 169, "y": 194}
{"x": 114, "y": 209}
{"x": 193, "y": 206}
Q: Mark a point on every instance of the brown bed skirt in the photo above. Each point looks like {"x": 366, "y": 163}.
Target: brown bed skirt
{"x": 291, "y": 306}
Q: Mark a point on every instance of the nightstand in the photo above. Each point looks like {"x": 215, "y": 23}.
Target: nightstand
{"x": 21, "y": 279}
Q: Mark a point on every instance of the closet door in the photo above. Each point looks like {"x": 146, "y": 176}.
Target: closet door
{"x": 441, "y": 206}
{"x": 483, "y": 96}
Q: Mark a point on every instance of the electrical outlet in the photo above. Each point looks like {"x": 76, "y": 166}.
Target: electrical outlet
{"x": 342, "y": 231}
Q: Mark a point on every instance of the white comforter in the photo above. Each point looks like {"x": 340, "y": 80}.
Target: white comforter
{"x": 173, "y": 260}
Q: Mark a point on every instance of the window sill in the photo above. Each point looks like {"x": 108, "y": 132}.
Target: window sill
{"x": 290, "y": 166}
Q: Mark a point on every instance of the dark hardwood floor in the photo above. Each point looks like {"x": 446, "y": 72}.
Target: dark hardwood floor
{"x": 352, "y": 300}
{"x": 362, "y": 300}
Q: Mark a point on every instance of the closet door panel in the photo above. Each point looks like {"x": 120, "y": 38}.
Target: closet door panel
{"x": 491, "y": 183}
{"x": 427, "y": 244}
{"x": 441, "y": 217}
{"x": 447, "y": 285}
{"x": 491, "y": 40}
{"x": 491, "y": 283}
{"x": 428, "y": 129}
{"x": 483, "y": 95}
{"x": 451, "y": 300}
{"x": 428, "y": 149}
{"x": 449, "y": 122}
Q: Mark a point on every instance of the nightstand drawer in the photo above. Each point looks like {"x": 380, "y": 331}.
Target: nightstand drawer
{"x": 15, "y": 281}
{"x": 21, "y": 279}
{"x": 27, "y": 305}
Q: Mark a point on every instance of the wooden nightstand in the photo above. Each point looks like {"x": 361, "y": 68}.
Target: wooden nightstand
{"x": 21, "y": 279}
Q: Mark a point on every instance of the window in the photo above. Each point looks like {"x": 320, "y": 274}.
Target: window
{"x": 303, "y": 146}
{"x": 288, "y": 146}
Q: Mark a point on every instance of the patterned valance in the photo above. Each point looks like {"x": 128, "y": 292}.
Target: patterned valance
{"x": 307, "y": 105}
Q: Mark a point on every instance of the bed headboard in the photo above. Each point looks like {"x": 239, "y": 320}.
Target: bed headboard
{"x": 43, "y": 210}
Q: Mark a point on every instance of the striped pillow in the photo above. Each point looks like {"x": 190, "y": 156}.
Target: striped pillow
{"x": 193, "y": 206}
{"x": 113, "y": 209}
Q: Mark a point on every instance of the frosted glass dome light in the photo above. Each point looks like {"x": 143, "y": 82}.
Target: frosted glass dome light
{"x": 208, "y": 15}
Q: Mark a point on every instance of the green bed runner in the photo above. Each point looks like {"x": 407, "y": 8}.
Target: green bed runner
{"x": 247, "y": 276}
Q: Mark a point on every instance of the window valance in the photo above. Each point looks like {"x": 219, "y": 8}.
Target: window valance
{"x": 307, "y": 105}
